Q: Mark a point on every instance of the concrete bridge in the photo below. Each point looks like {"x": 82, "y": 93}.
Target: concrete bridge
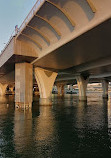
{"x": 69, "y": 36}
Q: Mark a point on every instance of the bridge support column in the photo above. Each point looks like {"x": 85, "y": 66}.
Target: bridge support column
{"x": 23, "y": 85}
{"x": 71, "y": 88}
{"x": 105, "y": 89}
{"x": 45, "y": 80}
{"x": 3, "y": 88}
{"x": 82, "y": 86}
{"x": 60, "y": 89}
{"x": 12, "y": 89}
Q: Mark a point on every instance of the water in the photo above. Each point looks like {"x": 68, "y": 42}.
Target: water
{"x": 67, "y": 129}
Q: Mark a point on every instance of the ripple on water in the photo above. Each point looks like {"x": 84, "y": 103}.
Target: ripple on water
{"x": 68, "y": 128}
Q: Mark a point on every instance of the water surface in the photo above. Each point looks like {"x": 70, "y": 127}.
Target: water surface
{"x": 67, "y": 129}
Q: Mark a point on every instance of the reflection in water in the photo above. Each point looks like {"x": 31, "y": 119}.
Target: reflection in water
{"x": 109, "y": 120}
{"x": 68, "y": 128}
{"x": 6, "y": 127}
{"x": 45, "y": 132}
{"x": 22, "y": 129}
{"x": 92, "y": 128}
{"x": 109, "y": 113}
{"x": 45, "y": 121}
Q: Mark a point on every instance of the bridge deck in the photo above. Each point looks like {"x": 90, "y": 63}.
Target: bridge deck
{"x": 60, "y": 35}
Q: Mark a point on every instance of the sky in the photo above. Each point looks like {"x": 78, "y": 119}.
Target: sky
{"x": 12, "y": 13}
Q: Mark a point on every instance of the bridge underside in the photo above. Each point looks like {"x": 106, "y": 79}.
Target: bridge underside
{"x": 45, "y": 37}
{"x": 69, "y": 36}
{"x": 78, "y": 56}
{"x": 80, "y": 52}
{"x": 9, "y": 66}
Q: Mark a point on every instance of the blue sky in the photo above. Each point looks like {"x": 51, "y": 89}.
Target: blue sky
{"x": 12, "y": 12}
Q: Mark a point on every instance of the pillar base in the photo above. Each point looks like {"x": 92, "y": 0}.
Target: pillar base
{"x": 82, "y": 98}
{"x": 105, "y": 96}
{"x": 23, "y": 105}
{"x": 45, "y": 101}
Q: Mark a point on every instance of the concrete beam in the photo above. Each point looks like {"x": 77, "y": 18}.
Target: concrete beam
{"x": 49, "y": 23}
{"x": 64, "y": 12}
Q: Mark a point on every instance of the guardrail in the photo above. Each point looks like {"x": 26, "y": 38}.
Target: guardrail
{"x": 11, "y": 37}
{"x": 25, "y": 22}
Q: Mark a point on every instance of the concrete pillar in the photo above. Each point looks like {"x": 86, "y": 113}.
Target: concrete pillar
{"x": 3, "y": 88}
{"x": 82, "y": 86}
{"x": 45, "y": 80}
{"x": 23, "y": 85}
{"x": 11, "y": 88}
{"x": 60, "y": 89}
{"x": 71, "y": 88}
{"x": 105, "y": 89}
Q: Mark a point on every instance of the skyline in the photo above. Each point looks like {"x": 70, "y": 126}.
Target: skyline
{"x": 11, "y": 15}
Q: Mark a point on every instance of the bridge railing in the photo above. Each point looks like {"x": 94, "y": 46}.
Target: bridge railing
{"x": 10, "y": 39}
{"x": 33, "y": 11}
